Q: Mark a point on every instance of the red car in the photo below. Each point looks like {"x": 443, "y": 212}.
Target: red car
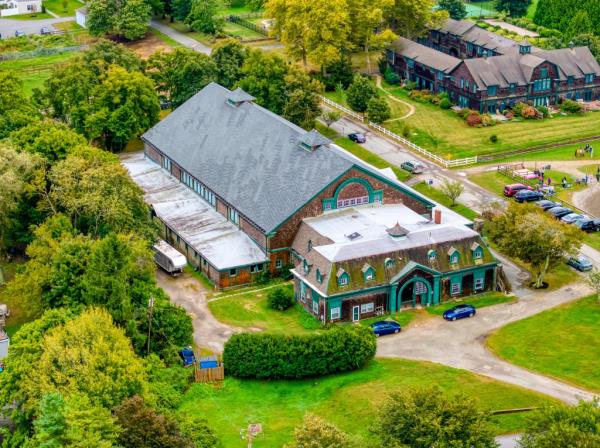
{"x": 511, "y": 190}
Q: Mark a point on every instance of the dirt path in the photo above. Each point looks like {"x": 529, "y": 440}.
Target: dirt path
{"x": 464, "y": 346}
{"x": 411, "y": 108}
{"x": 588, "y": 200}
{"x": 189, "y": 293}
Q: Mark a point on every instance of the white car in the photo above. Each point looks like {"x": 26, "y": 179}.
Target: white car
{"x": 413, "y": 166}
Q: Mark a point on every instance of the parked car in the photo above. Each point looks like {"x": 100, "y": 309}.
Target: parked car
{"x": 559, "y": 212}
{"x": 546, "y": 204}
{"x": 384, "y": 327}
{"x": 572, "y": 217}
{"x": 459, "y": 312}
{"x": 412, "y": 166}
{"x": 357, "y": 137}
{"x": 588, "y": 224}
{"x": 19, "y": 33}
{"x": 511, "y": 190}
{"x": 45, "y": 30}
{"x": 528, "y": 196}
{"x": 580, "y": 263}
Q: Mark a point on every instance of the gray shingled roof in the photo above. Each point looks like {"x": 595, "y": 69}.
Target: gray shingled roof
{"x": 577, "y": 62}
{"x": 470, "y": 32}
{"x": 456, "y": 27}
{"x": 425, "y": 55}
{"x": 247, "y": 155}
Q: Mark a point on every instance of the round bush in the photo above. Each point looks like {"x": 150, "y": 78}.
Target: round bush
{"x": 493, "y": 138}
{"x": 474, "y": 119}
{"x": 280, "y": 299}
{"x": 445, "y": 103}
{"x": 272, "y": 356}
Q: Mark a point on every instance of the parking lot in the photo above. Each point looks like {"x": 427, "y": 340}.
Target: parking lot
{"x": 8, "y": 27}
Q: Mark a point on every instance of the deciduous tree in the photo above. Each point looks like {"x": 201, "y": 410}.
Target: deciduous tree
{"x": 302, "y": 106}
{"x": 125, "y": 18}
{"x": 50, "y": 139}
{"x": 330, "y": 117}
{"x": 515, "y": 8}
{"x": 229, "y": 57}
{"x": 423, "y": 418}
{"x": 593, "y": 280}
{"x": 456, "y": 8}
{"x": 412, "y": 18}
{"x": 378, "y": 110}
{"x": 203, "y": 17}
{"x": 527, "y": 233}
{"x": 360, "y": 92}
{"x": 16, "y": 110}
{"x": 452, "y": 190}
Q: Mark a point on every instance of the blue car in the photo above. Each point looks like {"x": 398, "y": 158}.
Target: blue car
{"x": 384, "y": 327}
{"x": 459, "y": 312}
{"x": 580, "y": 263}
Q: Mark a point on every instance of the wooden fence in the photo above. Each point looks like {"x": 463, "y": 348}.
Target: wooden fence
{"x": 209, "y": 375}
{"x": 403, "y": 141}
{"x": 247, "y": 24}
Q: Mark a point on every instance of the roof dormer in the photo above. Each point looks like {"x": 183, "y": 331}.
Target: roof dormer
{"x": 525, "y": 47}
{"x": 397, "y": 232}
{"x": 239, "y": 97}
{"x": 312, "y": 141}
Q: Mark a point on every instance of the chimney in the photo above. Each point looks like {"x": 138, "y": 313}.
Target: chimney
{"x": 437, "y": 216}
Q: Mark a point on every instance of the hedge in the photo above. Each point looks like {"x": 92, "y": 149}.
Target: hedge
{"x": 272, "y": 356}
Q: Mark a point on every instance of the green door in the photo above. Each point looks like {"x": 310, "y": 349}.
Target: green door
{"x": 355, "y": 313}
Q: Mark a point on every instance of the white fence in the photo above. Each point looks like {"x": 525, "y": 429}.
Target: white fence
{"x": 437, "y": 159}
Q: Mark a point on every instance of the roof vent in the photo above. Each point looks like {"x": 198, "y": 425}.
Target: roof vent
{"x": 313, "y": 140}
{"x": 354, "y": 236}
{"x": 397, "y": 231}
{"x": 238, "y": 97}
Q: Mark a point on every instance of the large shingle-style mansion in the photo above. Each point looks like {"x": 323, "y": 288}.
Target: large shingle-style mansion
{"x": 489, "y": 73}
{"x": 241, "y": 191}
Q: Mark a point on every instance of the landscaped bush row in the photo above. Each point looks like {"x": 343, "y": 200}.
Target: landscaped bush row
{"x": 263, "y": 355}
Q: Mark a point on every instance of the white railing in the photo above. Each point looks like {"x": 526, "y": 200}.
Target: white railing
{"x": 405, "y": 142}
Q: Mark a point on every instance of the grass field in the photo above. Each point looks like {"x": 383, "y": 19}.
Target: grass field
{"x": 248, "y": 309}
{"x": 32, "y": 16}
{"x": 348, "y": 400}
{"x": 566, "y": 152}
{"x": 563, "y": 342}
{"x": 478, "y": 301}
{"x": 242, "y": 32}
{"x": 35, "y": 71}
{"x": 369, "y": 157}
{"x": 68, "y": 10}
{"x": 438, "y": 196}
{"x": 444, "y": 133}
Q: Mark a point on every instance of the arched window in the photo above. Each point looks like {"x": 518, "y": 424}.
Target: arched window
{"x": 368, "y": 272}
{"x": 389, "y": 263}
{"x": 431, "y": 255}
{"x": 342, "y": 277}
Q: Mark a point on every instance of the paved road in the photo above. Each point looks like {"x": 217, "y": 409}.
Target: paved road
{"x": 464, "y": 342}
{"x": 509, "y": 441}
{"x": 189, "y": 293}
{"x": 180, "y": 37}
{"x": 9, "y": 26}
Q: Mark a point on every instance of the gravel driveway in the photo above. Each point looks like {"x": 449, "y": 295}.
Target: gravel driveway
{"x": 189, "y": 293}
{"x": 461, "y": 344}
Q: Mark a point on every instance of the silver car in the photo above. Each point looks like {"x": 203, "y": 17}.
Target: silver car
{"x": 412, "y": 166}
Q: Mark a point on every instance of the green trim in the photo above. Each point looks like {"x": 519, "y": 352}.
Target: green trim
{"x": 411, "y": 266}
{"x": 345, "y": 295}
{"x": 449, "y": 274}
{"x": 430, "y": 299}
{"x": 281, "y": 249}
{"x": 374, "y": 195}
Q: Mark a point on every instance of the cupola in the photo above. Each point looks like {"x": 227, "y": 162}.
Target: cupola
{"x": 397, "y": 232}
{"x": 239, "y": 97}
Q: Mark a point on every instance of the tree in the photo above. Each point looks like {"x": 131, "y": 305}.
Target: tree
{"x": 122, "y": 107}
{"x": 317, "y": 433}
{"x": 413, "y": 18}
{"x": 181, "y": 9}
{"x": 104, "y": 53}
{"x": 229, "y": 56}
{"x": 197, "y": 430}
{"x": 51, "y": 140}
{"x": 559, "y": 14}
{"x": 424, "y": 418}
{"x": 337, "y": 73}
{"x": 181, "y": 73}
{"x": 360, "y": 92}
{"x": 452, "y": 190}
{"x": 315, "y": 30}
{"x": 515, "y": 8}
{"x": 456, "y": 8}
{"x": 330, "y": 117}
{"x": 577, "y": 426}
{"x": 593, "y": 280}
{"x": 203, "y": 17}
{"x": 302, "y": 105}
{"x": 88, "y": 355}
{"x": 527, "y": 233}
{"x": 144, "y": 427}
{"x": 590, "y": 41}
{"x": 124, "y": 18}
{"x": 378, "y": 110}
{"x": 16, "y": 110}
{"x": 581, "y": 24}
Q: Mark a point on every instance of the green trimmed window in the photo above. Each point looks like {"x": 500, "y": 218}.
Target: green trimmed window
{"x": 343, "y": 279}
{"x": 306, "y": 267}
{"x": 453, "y": 256}
{"x": 370, "y": 275}
{"x": 431, "y": 254}
{"x": 319, "y": 276}
{"x": 389, "y": 263}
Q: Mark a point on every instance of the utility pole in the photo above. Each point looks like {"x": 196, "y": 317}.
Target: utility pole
{"x": 150, "y": 309}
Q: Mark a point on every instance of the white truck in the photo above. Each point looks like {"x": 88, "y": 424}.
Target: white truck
{"x": 169, "y": 258}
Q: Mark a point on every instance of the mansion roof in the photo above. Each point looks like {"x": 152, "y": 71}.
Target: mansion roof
{"x": 470, "y": 32}
{"x": 425, "y": 55}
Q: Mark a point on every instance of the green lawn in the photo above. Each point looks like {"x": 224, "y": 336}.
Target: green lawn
{"x": 34, "y": 71}
{"x": 563, "y": 342}
{"x": 366, "y": 155}
{"x": 404, "y": 318}
{"x": 237, "y": 30}
{"x": 247, "y": 308}
{"x": 444, "y": 133}
{"x": 438, "y": 196}
{"x": 66, "y": 10}
{"x": 484, "y": 8}
{"x": 32, "y": 16}
{"x": 203, "y": 38}
{"x": 478, "y": 301}
{"x": 348, "y": 400}
{"x": 566, "y": 152}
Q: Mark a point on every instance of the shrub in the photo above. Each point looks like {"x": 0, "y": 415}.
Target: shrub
{"x": 382, "y": 64}
{"x": 406, "y": 130}
{"x": 280, "y": 299}
{"x": 421, "y": 96}
{"x": 410, "y": 86}
{"x": 487, "y": 120}
{"x": 378, "y": 110}
{"x": 571, "y": 107}
{"x": 518, "y": 108}
{"x": 529, "y": 112}
{"x": 263, "y": 355}
{"x": 473, "y": 119}
{"x": 509, "y": 114}
{"x": 391, "y": 77}
{"x": 543, "y": 110}
{"x": 465, "y": 112}
{"x": 445, "y": 104}
{"x": 494, "y": 138}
